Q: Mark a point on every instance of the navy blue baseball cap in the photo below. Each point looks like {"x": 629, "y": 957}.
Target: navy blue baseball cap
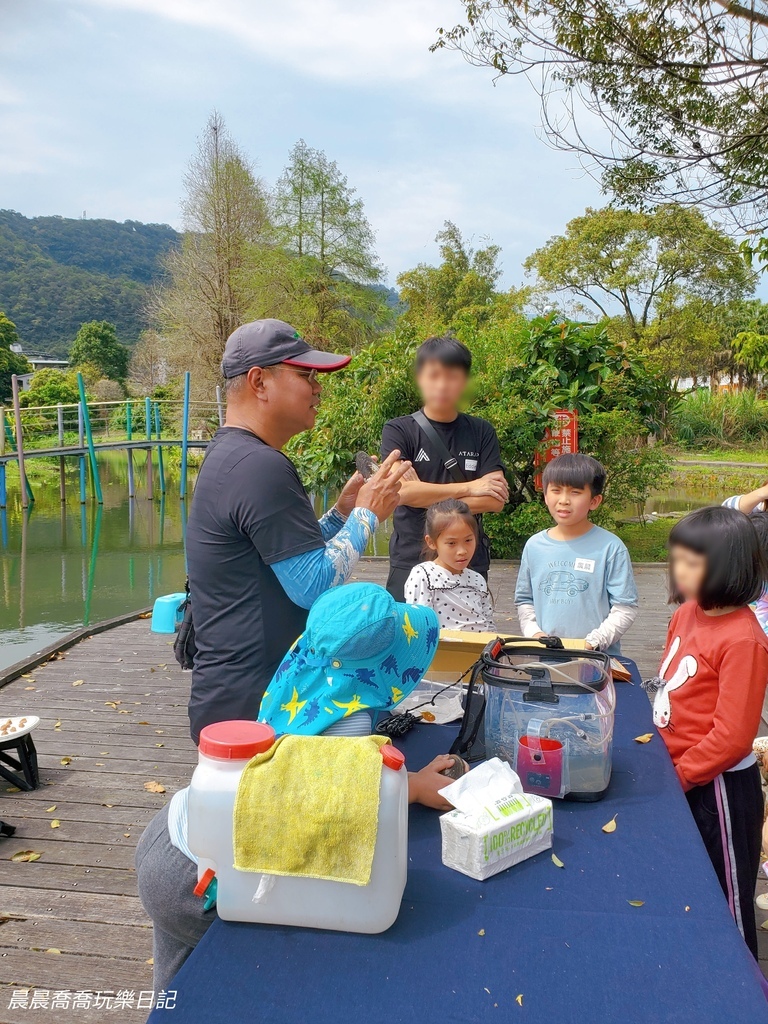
{"x": 269, "y": 342}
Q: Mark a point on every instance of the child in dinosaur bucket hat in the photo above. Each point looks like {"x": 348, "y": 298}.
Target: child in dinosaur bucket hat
{"x": 361, "y": 652}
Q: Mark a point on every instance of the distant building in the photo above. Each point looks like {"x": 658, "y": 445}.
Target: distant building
{"x": 38, "y": 363}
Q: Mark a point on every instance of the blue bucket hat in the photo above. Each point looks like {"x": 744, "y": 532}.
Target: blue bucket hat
{"x": 361, "y": 651}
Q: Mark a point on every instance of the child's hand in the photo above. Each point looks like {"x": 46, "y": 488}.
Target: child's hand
{"x": 588, "y": 646}
{"x": 424, "y": 786}
{"x": 537, "y": 635}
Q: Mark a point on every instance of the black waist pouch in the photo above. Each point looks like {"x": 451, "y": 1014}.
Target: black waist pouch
{"x": 184, "y": 646}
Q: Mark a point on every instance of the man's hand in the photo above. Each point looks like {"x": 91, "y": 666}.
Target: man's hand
{"x": 539, "y": 634}
{"x": 424, "y": 786}
{"x": 347, "y": 500}
{"x": 492, "y": 485}
{"x": 381, "y": 494}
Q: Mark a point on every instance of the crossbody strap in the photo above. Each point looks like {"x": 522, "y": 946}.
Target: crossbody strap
{"x": 450, "y": 463}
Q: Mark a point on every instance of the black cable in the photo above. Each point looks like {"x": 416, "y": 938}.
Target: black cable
{"x": 398, "y": 725}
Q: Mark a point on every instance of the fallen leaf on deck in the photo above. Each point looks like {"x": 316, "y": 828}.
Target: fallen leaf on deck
{"x": 143, "y": 723}
{"x": 159, "y": 744}
{"x": 150, "y": 961}
{"x": 610, "y": 826}
{"x": 111, "y": 703}
{"x": 103, "y": 753}
{"x": 55, "y": 823}
{"x": 57, "y": 726}
{"x": 26, "y": 675}
{"x": 127, "y": 835}
{"x": 146, "y": 615}
{"x": 154, "y": 787}
{"x": 645, "y": 738}
{"x": 519, "y": 999}
{"x": 481, "y": 932}
{"x": 121, "y": 711}
{"x": 25, "y": 855}
{"x": 51, "y": 808}
{"x": 78, "y": 682}
{"x": 107, "y": 805}
{"x": 56, "y": 952}
{"x": 636, "y": 903}
{"x": 65, "y": 761}
{"x": 764, "y": 926}
{"x": 99, "y": 764}
{"x": 12, "y": 789}
{"x": 556, "y": 861}
{"x": 29, "y": 687}
{"x": 159, "y": 731}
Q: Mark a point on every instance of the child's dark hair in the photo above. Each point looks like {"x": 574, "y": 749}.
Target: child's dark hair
{"x": 441, "y": 515}
{"x": 575, "y": 470}
{"x": 736, "y": 566}
{"x": 446, "y": 350}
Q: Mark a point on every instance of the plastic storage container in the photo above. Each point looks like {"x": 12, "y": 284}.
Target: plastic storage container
{"x": 550, "y": 714}
{"x": 223, "y": 752}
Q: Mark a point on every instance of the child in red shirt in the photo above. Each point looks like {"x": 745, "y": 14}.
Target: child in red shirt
{"x": 710, "y": 691}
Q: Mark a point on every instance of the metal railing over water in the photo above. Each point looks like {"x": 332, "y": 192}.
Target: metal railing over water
{"x": 80, "y": 430}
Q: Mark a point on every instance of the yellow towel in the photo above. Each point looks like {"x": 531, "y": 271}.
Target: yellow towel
{"x": 310, "y": 806}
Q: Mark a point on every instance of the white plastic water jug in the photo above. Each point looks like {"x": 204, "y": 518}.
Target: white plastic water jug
{"x": 223, "y": 752}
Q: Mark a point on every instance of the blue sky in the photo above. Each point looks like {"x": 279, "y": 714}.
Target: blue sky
{"x": 101, "y": 102}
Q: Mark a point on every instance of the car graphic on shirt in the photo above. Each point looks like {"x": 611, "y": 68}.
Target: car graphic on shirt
{"x": 562, "y": 581}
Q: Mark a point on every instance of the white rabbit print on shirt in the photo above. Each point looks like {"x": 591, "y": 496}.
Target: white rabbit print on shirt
{"x": 687, "y": 669}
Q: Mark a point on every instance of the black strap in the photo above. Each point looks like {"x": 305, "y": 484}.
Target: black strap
{"x": 449, "y": 461}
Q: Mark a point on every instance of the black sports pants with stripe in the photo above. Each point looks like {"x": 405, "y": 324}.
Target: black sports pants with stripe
{"x": 729, "y": 815}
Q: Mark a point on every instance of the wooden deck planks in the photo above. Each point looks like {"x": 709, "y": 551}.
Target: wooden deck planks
{"x": 80, "y": 897}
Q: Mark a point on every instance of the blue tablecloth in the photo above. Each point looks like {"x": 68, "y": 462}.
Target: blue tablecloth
{"x": 564, "y": 943}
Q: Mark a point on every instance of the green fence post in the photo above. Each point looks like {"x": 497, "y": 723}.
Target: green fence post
{"x": 184, "y": 438}
{"x": 148, "y": 423}
{"x": 160, "y": 467}
{"x": 89, "y": 440}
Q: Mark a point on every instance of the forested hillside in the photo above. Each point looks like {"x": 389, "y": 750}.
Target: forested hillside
{"x": 57, "y": 273}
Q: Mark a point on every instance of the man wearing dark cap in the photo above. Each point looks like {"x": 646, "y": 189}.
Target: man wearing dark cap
{"x": 257, "y": 555}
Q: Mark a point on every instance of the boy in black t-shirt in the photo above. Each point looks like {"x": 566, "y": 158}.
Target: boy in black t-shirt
{"x": 477, "y": 477}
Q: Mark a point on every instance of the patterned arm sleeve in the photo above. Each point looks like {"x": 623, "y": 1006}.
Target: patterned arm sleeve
{"x": 306, "y": 576}
{"x": 331, "y": 523}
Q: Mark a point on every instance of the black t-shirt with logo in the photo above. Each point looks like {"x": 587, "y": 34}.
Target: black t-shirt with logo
{"x": 472, "y": 441}
{"x": 249, "y": 511}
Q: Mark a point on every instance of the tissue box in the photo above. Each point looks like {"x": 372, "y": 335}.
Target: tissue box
{"x": 504, "y": 833}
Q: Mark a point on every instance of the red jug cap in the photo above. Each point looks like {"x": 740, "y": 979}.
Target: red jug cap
{"x": 236, "y": 741}
{"x": 392, "y": 757}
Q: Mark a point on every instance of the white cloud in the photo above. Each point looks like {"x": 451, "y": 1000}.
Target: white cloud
{"x": 366, "y": 40}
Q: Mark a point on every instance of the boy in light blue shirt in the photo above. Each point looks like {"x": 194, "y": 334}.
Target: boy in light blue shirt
{"x": 576, "y": 578}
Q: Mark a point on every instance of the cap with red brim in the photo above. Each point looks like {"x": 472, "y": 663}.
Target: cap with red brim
{"x": 269, "y": 342}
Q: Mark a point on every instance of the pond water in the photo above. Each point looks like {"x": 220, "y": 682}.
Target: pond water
{"x": 64, "y": 566}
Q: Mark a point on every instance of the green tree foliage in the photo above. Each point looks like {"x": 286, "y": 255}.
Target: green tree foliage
{"x": 56, "y": 273}
{"x": 325, "y": 245}
{"x": 52, "y": 387}
{"x": 664, "y": 277}
{"x": 10, "y": 362}
{"x": 462, "y": 285}
{"x": 96, "y": 344}
{"x": 208, "y": 280}
{"x": 667, "y": 99}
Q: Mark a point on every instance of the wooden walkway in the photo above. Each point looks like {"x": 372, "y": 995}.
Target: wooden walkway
{"x": 113, "y": 718}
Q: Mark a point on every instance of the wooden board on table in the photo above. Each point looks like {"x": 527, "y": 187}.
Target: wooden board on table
{"x": 457, "y": 651}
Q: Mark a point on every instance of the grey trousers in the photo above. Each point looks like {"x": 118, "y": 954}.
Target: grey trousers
{"x": 166, "y": 879}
